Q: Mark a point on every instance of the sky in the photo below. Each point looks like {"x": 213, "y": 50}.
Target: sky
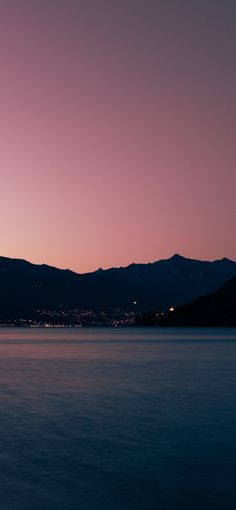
{"x": 117, "y": 131}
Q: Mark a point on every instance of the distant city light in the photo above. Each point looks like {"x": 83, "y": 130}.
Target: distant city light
{"x": 171, "y": 309}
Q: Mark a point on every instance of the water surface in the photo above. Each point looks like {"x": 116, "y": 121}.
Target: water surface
{"x": 117, "y": 419}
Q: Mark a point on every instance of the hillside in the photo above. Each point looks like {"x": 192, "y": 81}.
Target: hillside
{"x": 215, "y": 309}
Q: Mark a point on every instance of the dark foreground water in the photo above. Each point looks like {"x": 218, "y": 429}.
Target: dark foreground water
{"x": 117, "y": 419}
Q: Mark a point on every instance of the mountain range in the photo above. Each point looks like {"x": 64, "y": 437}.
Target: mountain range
{"x": 26, "y": 287}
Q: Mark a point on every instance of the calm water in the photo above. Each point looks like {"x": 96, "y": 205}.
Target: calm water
{"x": 117, "y": 419}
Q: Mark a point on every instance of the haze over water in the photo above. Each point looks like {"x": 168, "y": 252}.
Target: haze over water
{"x": 117, "y": 419}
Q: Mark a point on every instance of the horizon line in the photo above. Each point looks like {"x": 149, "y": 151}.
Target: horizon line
{"x": 175, "y": 255}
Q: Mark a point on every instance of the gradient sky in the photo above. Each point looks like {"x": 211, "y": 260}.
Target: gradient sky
{"x": 117, "y": 130}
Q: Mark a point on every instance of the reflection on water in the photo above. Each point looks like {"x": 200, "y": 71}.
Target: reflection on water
{"x": 117, "y": 419}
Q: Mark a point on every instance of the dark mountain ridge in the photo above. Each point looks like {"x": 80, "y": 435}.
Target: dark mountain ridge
{"x": 215, "y": 309}
{"x": 25, "y": 286}
{"x": 176, "y": 280}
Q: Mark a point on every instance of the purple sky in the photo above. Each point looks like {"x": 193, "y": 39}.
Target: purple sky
{"x": 117, "y": 130}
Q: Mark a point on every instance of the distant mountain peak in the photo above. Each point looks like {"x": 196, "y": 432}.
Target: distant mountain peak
{"x": 177, "y": 256}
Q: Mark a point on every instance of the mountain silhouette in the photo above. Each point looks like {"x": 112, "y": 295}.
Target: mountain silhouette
{"x": 176, "y": 280}
{"x": 215, "y": 309}
{"x": 137, "y": 287}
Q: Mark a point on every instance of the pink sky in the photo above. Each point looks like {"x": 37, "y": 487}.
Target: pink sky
{"x": 117, "y": 131}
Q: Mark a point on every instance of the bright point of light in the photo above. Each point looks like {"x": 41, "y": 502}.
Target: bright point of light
{"x": 135, "y": 302}
{"x": 171, "y": 309}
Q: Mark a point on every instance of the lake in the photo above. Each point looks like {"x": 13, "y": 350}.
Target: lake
{"x": 117, "y": 419}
